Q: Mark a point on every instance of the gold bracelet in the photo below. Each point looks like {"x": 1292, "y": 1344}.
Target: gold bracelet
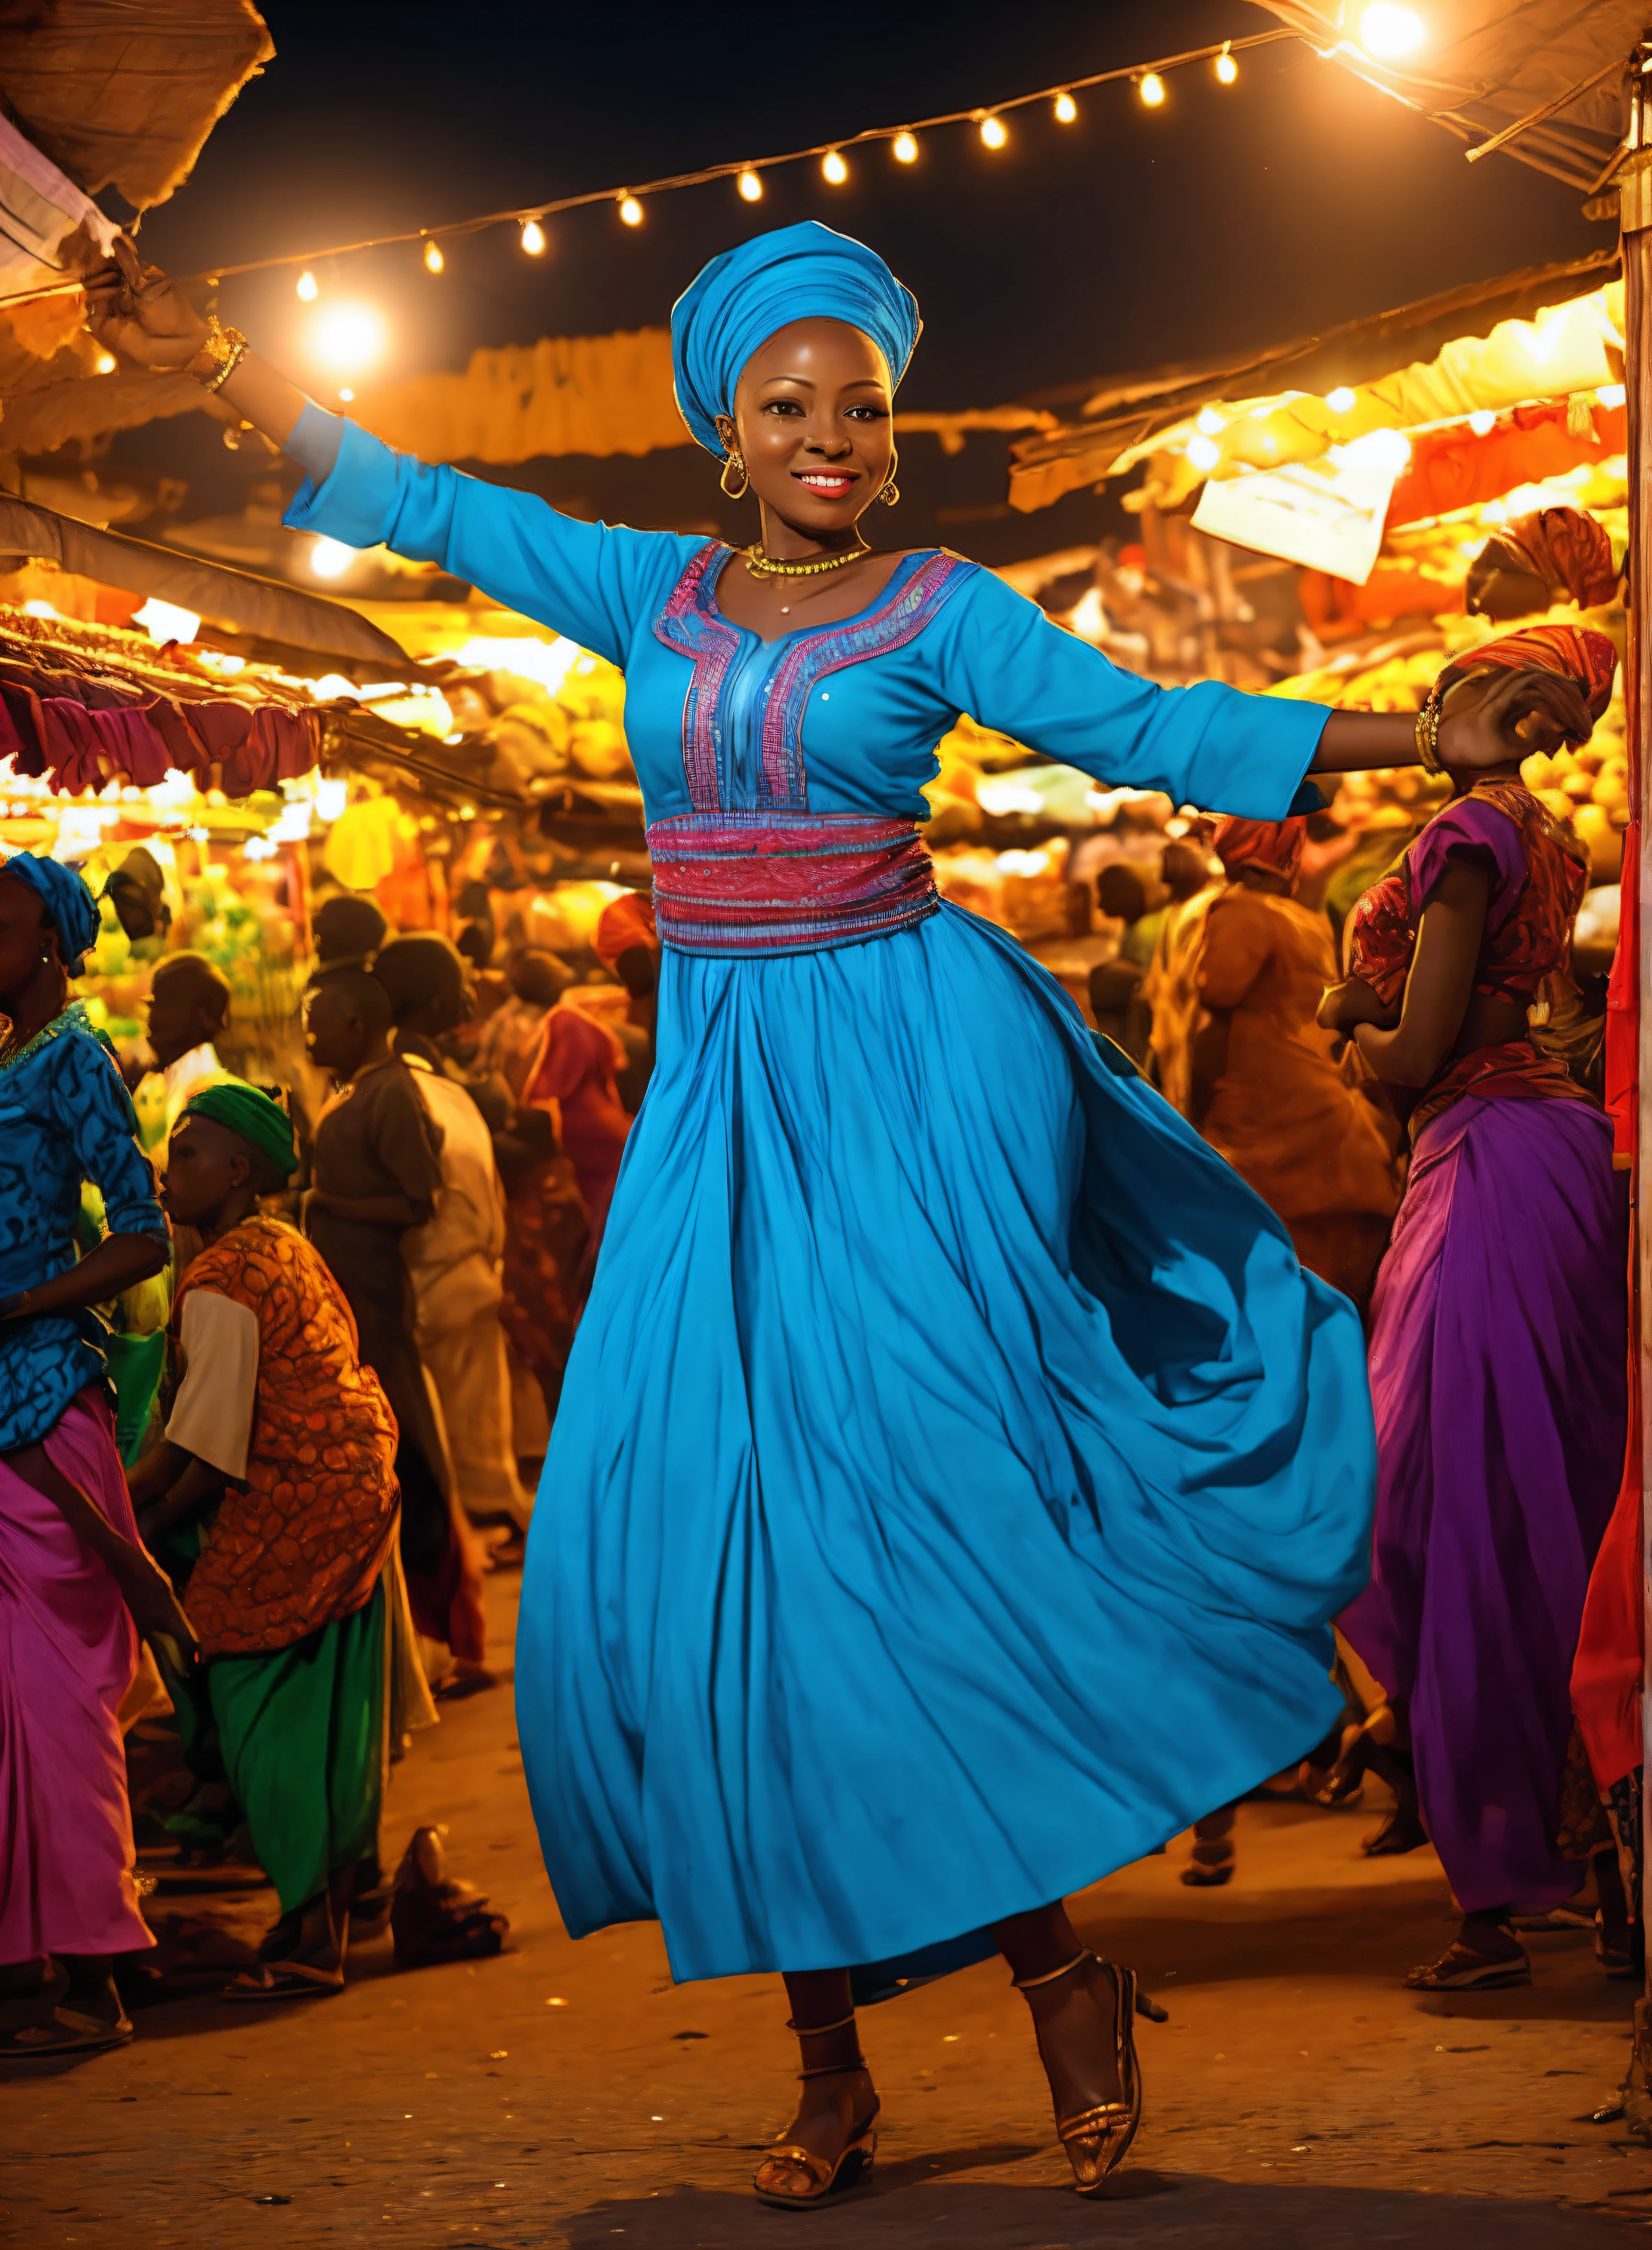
{"x": 219, "y": 355}
{"x": 1427, "y": 733}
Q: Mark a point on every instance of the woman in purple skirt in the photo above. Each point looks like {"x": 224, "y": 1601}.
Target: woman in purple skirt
{"x": 1498, "y": 1345}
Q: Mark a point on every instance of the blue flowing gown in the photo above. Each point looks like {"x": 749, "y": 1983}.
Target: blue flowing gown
{"x": 954, "y": 1471}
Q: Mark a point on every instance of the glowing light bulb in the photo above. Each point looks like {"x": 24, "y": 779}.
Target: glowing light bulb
{"x": 1388, "y": 32}
{"x": 1066, "y": 109}
{"x": 434, "y": 260}
{"x": 106, "y": 362}
{"x": 751, "y": 187}
{"x": 1482, "y": 421}
{"x": 1210, "y": 422}
{"x": 834, "y": 168}
{"x": 905, "y": 149}
{"x": 993, "y": 133}
{"x": 346, "y": 338}
{"x": 534, "y": 238}
{"x": 1152, "y": 90}
{"x": 1203, "y": 452}
{"x": 631, "y": 211}
{"x": 347, "y": 394}
{"x": 1227, "y": 69}
{"x": 1611, "y": 394}
{"x": 308, "y": 286}
{"x": 1339, "y": 400}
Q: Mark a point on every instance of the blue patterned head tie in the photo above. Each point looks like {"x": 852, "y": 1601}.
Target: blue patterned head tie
{"x": 803, "y": 273}
{"x": 71, "y": 905}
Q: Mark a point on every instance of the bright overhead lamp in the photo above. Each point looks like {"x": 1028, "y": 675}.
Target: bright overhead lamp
{"x": 1388, "y": 33}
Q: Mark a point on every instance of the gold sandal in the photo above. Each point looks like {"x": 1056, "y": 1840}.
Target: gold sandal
{"x": 824, "y": 2177}
{"x": 1098, "y": 2140}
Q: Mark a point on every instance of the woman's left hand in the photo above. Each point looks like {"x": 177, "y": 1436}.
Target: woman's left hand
{"x": 1491, "y": 719}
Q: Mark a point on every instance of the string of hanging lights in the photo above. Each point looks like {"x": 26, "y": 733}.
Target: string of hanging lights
{"x": 1382, "y": 31}
{"x": 746, "y": 173}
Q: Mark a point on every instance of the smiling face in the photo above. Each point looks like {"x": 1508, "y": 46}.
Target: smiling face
{"x": 813, "y": 417}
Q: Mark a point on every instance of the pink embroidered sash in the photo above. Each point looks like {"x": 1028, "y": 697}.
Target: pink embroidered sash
{"x": 762, "y": 882}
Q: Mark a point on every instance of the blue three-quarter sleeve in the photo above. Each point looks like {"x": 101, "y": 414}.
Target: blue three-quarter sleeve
{"x": 596, "y": 582}
{"x": 92, "y": 1110}
{"x": 1208, "y": 745}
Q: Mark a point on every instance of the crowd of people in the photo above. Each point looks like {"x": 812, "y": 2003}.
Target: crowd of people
{"x": 276, "y": 1399}
{"x": 940, "y": 1391}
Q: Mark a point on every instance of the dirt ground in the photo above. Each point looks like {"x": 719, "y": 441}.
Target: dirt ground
{"x": 570, "y": 2095}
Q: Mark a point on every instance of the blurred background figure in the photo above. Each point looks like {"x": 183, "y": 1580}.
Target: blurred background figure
{"x": 377, "y": 1173}
{"x": 510, "y": 1038}
{"x": 454, "y": 1257}
{"x": 1251, "y": 1069}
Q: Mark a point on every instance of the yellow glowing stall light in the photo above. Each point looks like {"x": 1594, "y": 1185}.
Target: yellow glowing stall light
{"x": 106, "y": 362}
{"x": 331, "y": 558}
{"x": 1386, "y": 32}
{"x": 347, "y": 394}
{"x": 993, "y": 133}
{"x": 164, "y": 621}
{"x": 1483, "y": 420}
{"x": 308, "y": 286}
{"x": 346, "y": 338}
{"x": 1340, "y": 400}
{"x": 434, "y": 260}
{"x": 750, "y": 186}
{"x": 1066, "y": 109}
{"x": 1227, "y": 69}
{"x": 1210, "y": 423}
{"x": 532, "y": 238}
{"x": 833, "y": 168}
{"x": 1152, "y": 89}
{"x": 905, "y": 149}
{"x": 1203, "y": 452}
{"x": 631, "y": 211}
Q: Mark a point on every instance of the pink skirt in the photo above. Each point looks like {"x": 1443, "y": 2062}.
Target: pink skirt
{"x": 68, "y": 1650}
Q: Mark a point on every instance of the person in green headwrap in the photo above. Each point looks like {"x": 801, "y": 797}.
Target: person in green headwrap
{"x": 277, "y": 1426}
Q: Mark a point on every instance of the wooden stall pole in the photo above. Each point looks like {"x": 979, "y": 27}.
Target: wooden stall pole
{"x": 1634, "y": 189}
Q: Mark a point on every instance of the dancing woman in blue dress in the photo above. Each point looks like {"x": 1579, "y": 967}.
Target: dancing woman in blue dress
{"x": 956, "y": 1471}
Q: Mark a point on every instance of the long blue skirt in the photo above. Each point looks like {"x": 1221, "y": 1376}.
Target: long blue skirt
{"x": 953, "y": 1476}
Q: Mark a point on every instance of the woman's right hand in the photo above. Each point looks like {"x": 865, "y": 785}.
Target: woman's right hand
{"x": 135, "y": 311}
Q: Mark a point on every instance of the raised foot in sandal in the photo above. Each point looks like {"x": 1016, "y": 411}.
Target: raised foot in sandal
{"x": 285, "y": 1980}
{"x": 1084, "y": 2019}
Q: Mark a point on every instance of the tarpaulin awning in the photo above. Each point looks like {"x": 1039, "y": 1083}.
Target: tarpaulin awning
{"x": 262, "y": 608}
{"x": 1125, "y": 417}
{"x": 1552, "y": 68}
{"x": 123, "y": 96}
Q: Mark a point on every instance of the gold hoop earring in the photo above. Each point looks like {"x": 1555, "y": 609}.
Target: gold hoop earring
{"x": 736, "y": 461}
{"x": 890, "y": 492}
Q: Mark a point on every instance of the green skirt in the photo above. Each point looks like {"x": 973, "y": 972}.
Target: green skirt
{"x": 302, "y": 1736}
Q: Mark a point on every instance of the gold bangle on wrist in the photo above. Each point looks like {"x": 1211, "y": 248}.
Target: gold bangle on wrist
{"x": 219, "y": 356}
{"x": 1427, "y": 733}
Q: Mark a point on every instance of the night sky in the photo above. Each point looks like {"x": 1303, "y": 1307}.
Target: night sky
{"x": 1229, "y": 217}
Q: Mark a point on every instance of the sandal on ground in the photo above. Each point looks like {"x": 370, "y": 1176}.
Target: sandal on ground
{"x": 65, "y": 2032}
{"x": 1459, "y": 1969}
{"x": 434, "y": 1916}
{"x": 285, "y": 1980}
{"x": 821, "y": 2178}
{"x": 1098, "y": 2140}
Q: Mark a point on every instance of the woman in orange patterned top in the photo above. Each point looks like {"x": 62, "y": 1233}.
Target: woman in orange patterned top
{"x": 278, "y": 1425}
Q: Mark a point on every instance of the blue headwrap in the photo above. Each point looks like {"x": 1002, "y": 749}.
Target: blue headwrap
{"x": 803, "y": 273}
{"x": 71, "y": 905}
